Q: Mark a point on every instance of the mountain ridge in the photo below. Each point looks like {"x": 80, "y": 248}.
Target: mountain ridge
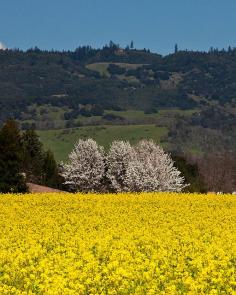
{"x": 56, "y": 90}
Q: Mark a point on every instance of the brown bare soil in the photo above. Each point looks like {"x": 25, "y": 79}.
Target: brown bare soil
{"x": 35, "y": 188}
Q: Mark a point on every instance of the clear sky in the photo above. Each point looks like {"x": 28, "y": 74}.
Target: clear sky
{"x": 153, "y": 24}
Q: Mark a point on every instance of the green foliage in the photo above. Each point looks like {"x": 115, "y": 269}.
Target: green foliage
{"x": 40, "y": 167}
{"x": 54, "y": 90}
{"x": 207, "y": 131}
{"x": 51, "y": 176}
{"x": 33, "y": 156}
{"x": 22, "y": 159}
{"x": 11, "y": 152}
{"x": 191, "y": 174}
{"x": 139, "y": 80}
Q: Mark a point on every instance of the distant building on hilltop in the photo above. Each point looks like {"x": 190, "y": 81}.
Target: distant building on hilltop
{"x": 120, "y": 51}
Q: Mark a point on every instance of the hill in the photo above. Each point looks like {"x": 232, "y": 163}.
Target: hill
{"x": 62, "y": 141}
{"x": 190, "y": 94}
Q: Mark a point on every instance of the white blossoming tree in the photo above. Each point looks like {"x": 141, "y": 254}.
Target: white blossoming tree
{"x": 85, "y": 168}
{"x": 140, "y": 177}
{"x": 144, "y": 167}
{"x": 152, "y": 170}
{"x": 118, "y": 159}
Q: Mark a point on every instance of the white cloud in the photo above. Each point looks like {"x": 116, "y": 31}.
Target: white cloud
{"x": 2, "y": 46}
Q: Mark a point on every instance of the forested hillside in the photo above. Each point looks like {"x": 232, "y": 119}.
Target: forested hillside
{"x": 192, "y": 95}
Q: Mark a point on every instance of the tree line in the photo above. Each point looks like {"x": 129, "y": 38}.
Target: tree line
{"x": 23, "y": 159}
{"x": 143, "y": 167}
{"x": 35, "y": 76}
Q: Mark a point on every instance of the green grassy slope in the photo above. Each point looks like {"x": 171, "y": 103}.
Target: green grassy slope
{"x": 136, "y": 114}
{"x": 61, "y": 141}
{"x": 101, "y": 67}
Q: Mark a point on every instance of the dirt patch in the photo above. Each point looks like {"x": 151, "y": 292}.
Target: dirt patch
{"x": 35, "y": 188}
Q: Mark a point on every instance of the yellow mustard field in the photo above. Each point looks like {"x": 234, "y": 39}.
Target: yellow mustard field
{"x": 153, "y": 243}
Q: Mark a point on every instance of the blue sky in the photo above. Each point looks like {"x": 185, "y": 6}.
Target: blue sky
{"x": 153, "y": 24}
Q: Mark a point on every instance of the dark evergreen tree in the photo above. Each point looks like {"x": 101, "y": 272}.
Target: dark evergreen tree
{"x": 191, "y": 174}
{"x": 51, "y": 176}
{"x": 176, "y": 48}
{"x": 97, "y": 110}
{"x": 33, "y": 157}
{"x": 11, "y": 178}
{"x": 132, "y": 45}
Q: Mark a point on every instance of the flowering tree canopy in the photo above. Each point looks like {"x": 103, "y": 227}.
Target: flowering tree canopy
{"x": 85, "y": 168}
{"x": 144, "y": 167}
{"x": 118, "y": 159}
{"x": 153, "y": 169}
